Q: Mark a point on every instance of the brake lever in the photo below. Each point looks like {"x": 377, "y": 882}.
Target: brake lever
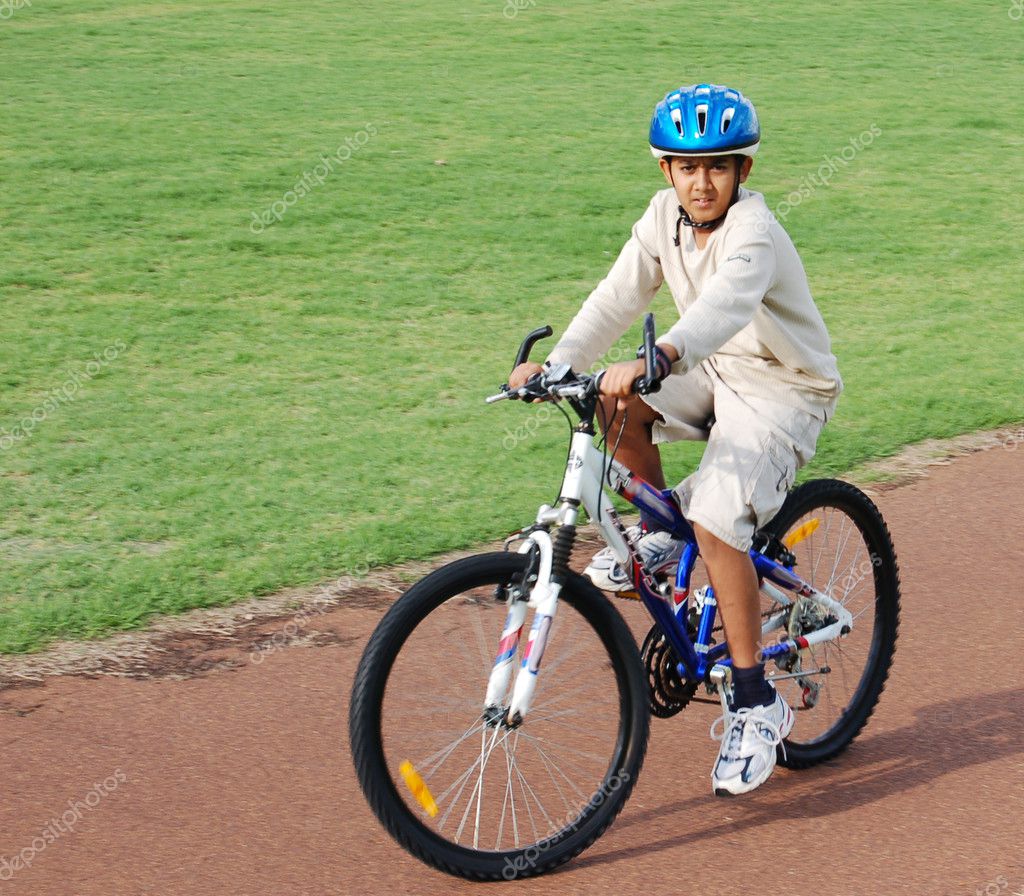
{"x": 642, "y": 385}
{"x": 534, "y": 387}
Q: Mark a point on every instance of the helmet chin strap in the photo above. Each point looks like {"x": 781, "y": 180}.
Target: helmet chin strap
{"x": 685, "y": 220}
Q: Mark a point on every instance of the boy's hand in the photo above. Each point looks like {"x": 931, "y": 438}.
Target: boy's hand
{"x": 518, "y": 377}
{"x": 618, "y": 379}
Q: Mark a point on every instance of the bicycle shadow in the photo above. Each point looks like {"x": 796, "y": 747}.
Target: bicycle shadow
{"x": 978, "y": 729}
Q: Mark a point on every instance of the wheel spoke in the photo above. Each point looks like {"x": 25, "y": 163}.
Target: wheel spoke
{"x": 477, "y": 783}
{"x": 441, "y": 755}
{"x": 509, "y": 801}
{"x": 848, "y": 557}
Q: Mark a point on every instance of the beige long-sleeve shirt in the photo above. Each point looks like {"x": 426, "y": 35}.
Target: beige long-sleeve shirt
{"x": 744, "y": 304}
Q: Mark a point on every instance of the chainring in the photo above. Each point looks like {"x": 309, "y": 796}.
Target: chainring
{"x": 667, "y": 693}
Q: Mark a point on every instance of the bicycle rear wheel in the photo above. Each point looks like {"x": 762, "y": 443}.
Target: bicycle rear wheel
{"x": 478, "y": 799}
{"x": 843, "y": 548}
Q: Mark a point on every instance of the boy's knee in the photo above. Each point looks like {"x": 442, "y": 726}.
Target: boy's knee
{"x": 631, "y": 414}
{"x": 706, "y": 541}
{"x": 711, "y": 546}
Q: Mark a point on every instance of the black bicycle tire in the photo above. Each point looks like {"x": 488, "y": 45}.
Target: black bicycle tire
{"x": 366, "y": 737}
{"x": 862, "y": 510}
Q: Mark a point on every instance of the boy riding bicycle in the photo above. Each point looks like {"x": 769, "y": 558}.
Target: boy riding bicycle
{"x": 747, "y": 367}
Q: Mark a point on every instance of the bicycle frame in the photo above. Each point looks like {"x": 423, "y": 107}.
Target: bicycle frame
{"x": 587, "y": 472}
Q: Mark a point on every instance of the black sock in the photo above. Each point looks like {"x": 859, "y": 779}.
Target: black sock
{"x": 749, "y": 688}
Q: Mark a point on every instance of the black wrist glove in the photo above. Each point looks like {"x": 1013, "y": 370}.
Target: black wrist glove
{"x": 662, "y": 365}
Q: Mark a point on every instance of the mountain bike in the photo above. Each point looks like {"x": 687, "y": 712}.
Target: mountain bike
{"x": 493, "y": 749}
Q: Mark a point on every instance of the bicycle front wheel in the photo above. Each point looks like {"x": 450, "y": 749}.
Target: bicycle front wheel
{"x": 473, "y": 797}
{"x": 843, "y": 548}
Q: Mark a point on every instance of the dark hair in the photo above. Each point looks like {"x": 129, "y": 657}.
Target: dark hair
{"x": 738, "y": 156}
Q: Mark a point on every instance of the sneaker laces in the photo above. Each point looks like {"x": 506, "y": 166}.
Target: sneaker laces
{"x": 655, "y": 550}
{"x": 633, "y": 534}
{"x": 734, "y": 723}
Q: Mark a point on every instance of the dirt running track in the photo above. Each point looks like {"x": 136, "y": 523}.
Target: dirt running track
{"x": 238, "y": 779}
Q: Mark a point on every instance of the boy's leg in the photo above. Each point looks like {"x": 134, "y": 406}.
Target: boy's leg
{"x": 736, "y": 591}
{"x": 630, "y": 426}
{"x": 753, "y": 453}
{"x": 680, "y": 410}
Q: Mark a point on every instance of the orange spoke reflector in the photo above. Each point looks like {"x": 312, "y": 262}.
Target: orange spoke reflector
{"x": 794, "y": 538}
{"x": 418, "y": 787}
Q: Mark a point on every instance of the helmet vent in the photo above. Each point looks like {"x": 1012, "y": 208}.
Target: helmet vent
{"x": 677, "y": 117}
{"x": 702, "y": 119}
{"x": 727, "y": 119}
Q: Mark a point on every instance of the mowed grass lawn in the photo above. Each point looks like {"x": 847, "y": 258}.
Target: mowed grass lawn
{"x": 197, "y": 405}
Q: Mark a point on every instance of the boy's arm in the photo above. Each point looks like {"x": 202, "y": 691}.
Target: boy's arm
{"x": 729, "y": 300}
{"x": 616, "y": 302}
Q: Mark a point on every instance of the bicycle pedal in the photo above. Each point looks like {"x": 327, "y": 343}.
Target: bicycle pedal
{"x": 721, "y": 677}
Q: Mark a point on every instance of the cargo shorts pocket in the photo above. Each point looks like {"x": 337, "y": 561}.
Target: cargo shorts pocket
{"x": 773, "y": 476}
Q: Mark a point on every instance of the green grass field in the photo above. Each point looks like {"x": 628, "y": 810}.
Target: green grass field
{"x": 280, "y": 403}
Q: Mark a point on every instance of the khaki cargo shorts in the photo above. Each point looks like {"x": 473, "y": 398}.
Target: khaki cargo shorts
{"x": 755, "y": 446}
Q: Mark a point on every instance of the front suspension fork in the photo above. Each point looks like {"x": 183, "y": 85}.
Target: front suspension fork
{"x": 553, "y": 568}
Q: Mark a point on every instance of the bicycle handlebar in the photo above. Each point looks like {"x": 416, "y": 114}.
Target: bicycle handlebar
{"x": 545, "y": 386}
{"x": 529, "y": 341}
{"x": 650, "y": 382}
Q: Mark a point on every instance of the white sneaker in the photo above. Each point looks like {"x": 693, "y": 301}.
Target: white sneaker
{"x": 750, "y": 736}
{"x": 659, "y": 551}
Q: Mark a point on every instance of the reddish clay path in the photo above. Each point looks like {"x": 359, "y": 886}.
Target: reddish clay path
{"x": 240, "y": 781}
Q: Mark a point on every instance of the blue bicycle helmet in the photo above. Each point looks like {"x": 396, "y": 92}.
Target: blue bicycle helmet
{"x": 704, "y": 120}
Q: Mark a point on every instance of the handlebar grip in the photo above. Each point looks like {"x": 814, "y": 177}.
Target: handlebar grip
{"x": 528, "y": 343}
{"x": 649, "y": 357}
{"x": 649, "y": 382}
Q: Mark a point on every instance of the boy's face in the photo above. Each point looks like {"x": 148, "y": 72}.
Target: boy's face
{"x": 704, "y": 184}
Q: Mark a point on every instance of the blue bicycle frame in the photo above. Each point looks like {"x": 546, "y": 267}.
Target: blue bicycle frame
{"x": 588, "y": 473}
{"x": 670, "y": 612}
